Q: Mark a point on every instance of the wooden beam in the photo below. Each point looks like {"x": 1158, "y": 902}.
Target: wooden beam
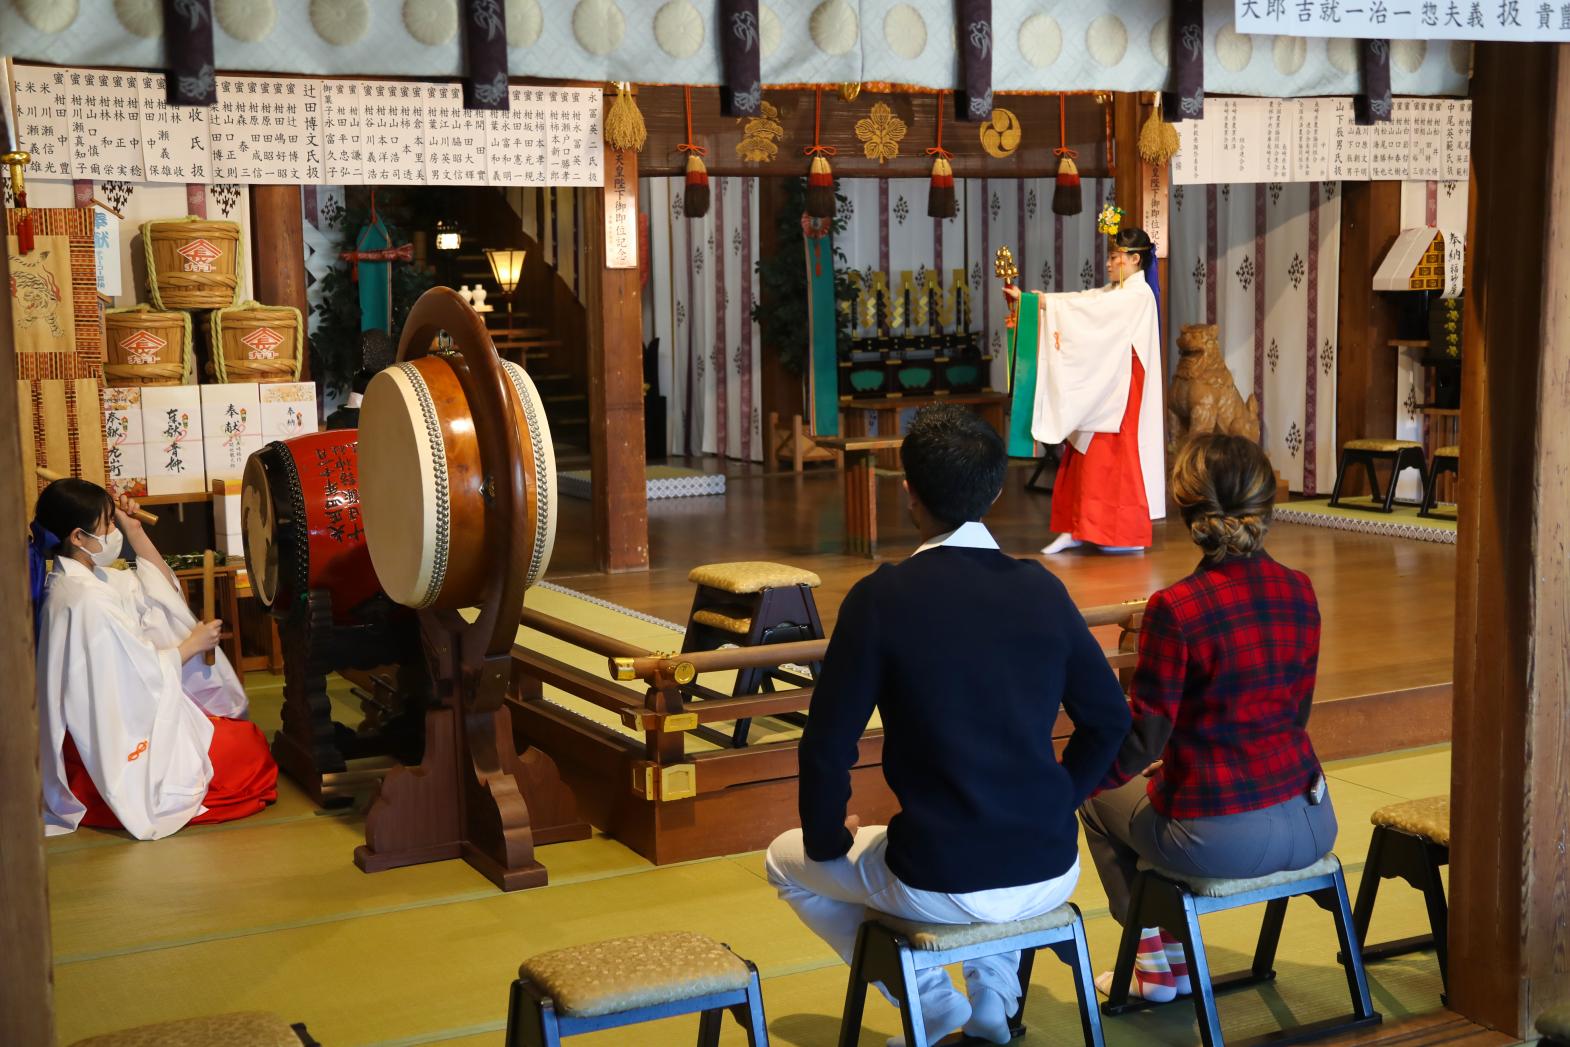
{"x": 781, "y": 391}
{"x": 278, "y": 252}
{"x": 612, "y": 302}
{"x": 26, "y": 1000}
{"x": 1365, "y": 364}
{"x": 1510, "y": 779}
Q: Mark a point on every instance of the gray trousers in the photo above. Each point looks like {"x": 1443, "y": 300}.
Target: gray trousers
{"x": 1122, "y": 827}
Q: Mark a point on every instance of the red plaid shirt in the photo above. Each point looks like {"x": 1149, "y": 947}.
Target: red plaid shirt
{"x": 1227, "y": 659}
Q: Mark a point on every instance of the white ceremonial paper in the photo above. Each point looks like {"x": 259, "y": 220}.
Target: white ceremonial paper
{"x": 1407, "y": 19}
{"x": 343, "y": 137}
{"x": 393, "y": 123}
{"x": 123, "y": 440}
{"x": 1191, "y": 165}
{"x": 1280, "y": 138}
{"x": 106, "y": 127}
{"x": 1390, "y": 143}
{"x": 1455, "y": 263}
{"x": 455, "y": 138}
{"x": 1349, "y": 143}
{"x": 1426, "y": 146}
{"x": 1312, "y": 148}
{"x": 176, "y": 139}
{"x": 515, "y": 141}
{"x": 43, "y": 120}
{"x": 106, "y": 252}
{"x": 266, "y": 130}
{"x": 573, "y": 148}
{"x": 621, "y": 216}
{"x": 288, "y": 410}
{"x": 1458, "y": 141}
{"x": 172, "y": 430}
{"x": 231, "y": 428}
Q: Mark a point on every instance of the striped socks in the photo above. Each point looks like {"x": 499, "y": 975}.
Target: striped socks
{"x": 1153, "y": 976}
{"x": 1178, "y": 964}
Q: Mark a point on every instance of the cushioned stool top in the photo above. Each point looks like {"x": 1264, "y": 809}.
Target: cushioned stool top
{"x": 1428, "y": 818}
{"x": 247, "y": 1029}
{"x": 625, "y": 974}
{"x": 1379, "y": 445}
{"x": 940, "y": 937}
{"x": 1211, "y": 888}
{"x": 717, "y": 619}
{"x": 751, "y": 576}
{"x": 1555, "y": 1024}
{"x": 1448, "y": 452}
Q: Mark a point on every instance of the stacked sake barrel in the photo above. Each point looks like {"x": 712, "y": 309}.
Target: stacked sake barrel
{"x": 194, "y": 265}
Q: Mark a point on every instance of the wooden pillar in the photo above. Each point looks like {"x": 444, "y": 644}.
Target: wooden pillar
{"x": 1510, "y": 782}
{"x": 278, "y": 252}
{"x": 1365, "y": 363}
{"x": 613, "y": 305}
{"x": 26, "y": 1001}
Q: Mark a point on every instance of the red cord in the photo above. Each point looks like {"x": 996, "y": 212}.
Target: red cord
{"x": 689, "y": 146}
{"x": 816, "y": 148}
{"x": 938, "y": 149}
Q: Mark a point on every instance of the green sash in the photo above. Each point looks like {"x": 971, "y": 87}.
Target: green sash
{"x": 1027, "y": 347}
{"x": 823, "y": 401}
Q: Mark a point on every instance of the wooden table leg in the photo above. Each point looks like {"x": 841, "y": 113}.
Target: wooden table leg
{"x": 861, "y": 503}
{"x": 888, "y": 425}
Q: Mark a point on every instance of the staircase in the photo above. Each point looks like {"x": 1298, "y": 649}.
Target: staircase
{"x": 545, "y": 332}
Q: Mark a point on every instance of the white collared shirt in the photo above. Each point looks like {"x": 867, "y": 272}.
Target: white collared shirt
{"x": 970, "y": 535}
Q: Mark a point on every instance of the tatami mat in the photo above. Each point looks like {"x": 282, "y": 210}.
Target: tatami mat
{"x": 271, "y": 914}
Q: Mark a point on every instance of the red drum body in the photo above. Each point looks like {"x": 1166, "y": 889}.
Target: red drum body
{"x": 301, "y": 523}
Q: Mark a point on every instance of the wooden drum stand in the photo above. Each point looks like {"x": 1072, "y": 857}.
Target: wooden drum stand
{"x": 473, "y": 796}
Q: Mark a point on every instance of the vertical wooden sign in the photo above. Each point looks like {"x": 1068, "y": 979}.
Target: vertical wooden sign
{"x": 621, "y": 211}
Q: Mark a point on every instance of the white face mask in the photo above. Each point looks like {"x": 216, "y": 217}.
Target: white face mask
{"x": 109, "y": 546}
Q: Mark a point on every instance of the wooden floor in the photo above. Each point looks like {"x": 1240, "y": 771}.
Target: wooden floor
{"x": 1388, "y": 604}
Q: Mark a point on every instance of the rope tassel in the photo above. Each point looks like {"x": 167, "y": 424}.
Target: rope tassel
{"x": 820, "y": 176}
{"x": 941, "y": 200}
{"x": 695, "y": 196}
{"x": 624, "y": 128}
{"x": 1067, "y": 199}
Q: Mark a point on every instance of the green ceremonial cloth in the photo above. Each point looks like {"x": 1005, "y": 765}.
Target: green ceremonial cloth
{"x": 375, "y": 279}
{"x": 823, "y": 401}
{"x": 1027, "y": 347}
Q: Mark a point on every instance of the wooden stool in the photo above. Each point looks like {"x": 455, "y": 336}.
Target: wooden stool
{"x": 1411, "y": 841}
{"x": 1446, "y": 460}
{"x": 1402, "y": 454}
{"x": 1165, "y": 899}
{"x": 248, "y": 1029}
{"x": 626, "y": 981}
{"x": 892, "y": 950}
{"x": 750, "y": 604}
{"x": 1555, "y": 1027}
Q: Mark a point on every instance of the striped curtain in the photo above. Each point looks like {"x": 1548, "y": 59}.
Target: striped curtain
{"x": 1262, "y": 261}
{"x": 702, "y": 285}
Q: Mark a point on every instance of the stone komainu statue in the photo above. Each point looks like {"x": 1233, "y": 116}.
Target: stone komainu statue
{"x": 1203, "y": 398}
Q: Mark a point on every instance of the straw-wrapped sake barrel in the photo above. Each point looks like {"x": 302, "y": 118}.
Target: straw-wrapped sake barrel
{"x": 147, "y": 346}
{"x": 192, "y": 263}
{"x": 251, "y": 342}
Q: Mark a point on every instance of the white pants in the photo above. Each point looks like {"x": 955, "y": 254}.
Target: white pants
{"x": 830, "y": 898}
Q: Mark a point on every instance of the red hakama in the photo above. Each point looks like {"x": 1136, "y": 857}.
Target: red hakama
{"x": 245, "y": 778}
{"x": 1099, "y": 496}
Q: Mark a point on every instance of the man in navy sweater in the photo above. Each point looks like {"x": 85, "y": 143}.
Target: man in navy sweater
{"x": 967, "y": 654}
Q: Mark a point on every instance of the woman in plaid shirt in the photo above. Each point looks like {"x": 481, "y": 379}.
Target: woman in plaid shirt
{"x": 1217, "y": 777}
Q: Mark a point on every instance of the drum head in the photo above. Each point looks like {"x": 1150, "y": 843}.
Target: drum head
{"x": 403, "y": 486}
{"x": 259, "y": 531}
{"x": 539, "y": 463}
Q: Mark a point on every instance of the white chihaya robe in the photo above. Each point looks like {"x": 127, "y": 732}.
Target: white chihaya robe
{"x": 109, "y": 674}
{"x": 1083, "y": 372}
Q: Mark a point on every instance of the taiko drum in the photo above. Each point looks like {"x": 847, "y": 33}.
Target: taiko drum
{"x": 425, "y": 487}
{"x": 302, "y": 525}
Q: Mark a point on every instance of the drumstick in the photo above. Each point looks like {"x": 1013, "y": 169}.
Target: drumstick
{"x": 207, "y": 599}
{"x": 50, "y": 476}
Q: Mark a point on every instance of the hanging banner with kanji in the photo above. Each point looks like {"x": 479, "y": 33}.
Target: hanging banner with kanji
{"x": 1504, "y": 20}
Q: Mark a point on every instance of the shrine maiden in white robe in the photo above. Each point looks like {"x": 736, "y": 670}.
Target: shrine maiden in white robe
{"x": 109, "y": 673}
{"x": 1084, "y": 368}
